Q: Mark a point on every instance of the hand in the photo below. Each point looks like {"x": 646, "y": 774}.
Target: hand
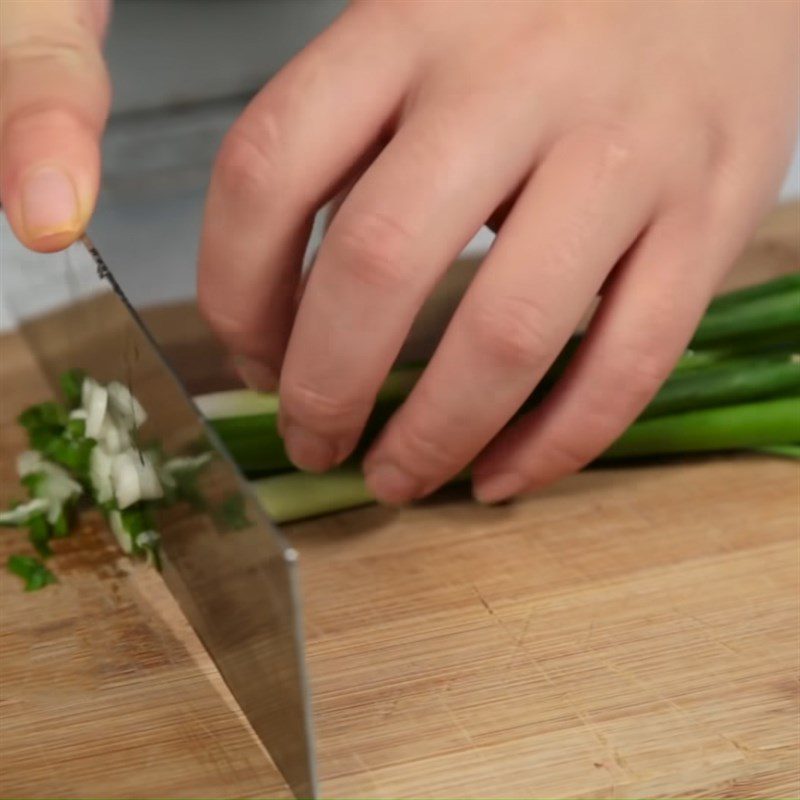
{"x": 54, "y": 100}
{"x": 624, "y": 146}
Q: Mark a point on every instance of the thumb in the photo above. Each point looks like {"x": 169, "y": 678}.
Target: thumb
{"x": 54, "y": 100}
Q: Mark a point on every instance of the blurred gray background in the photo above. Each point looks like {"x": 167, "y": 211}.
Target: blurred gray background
{"x": 182, "y": 70}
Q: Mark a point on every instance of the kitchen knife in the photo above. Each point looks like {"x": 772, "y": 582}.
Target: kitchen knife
{"x": 237, "y": 587}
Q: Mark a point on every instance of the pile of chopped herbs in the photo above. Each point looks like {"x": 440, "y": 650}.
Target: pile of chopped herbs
{"x": 84, "y": 452}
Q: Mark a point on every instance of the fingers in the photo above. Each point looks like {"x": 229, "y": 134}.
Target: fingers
{"x": 584, "y": 207}
{"x": 286, "y": 155}
{"x": 644, "y": 323}
{"x": 55, "y": 100}
{"x": 395, "y": 234}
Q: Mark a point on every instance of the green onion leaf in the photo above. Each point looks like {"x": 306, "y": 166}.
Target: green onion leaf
{"x": 20, "y": 513}
{"x": 43, "y": 422}
{"x": 71, "y": 385}
{"x": 230, "y": 514}
{"x": 32, "y": 571}
{"x": 39, "y": 535}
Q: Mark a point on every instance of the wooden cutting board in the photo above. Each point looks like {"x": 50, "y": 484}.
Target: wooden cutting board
{"x": 630, "y": 633}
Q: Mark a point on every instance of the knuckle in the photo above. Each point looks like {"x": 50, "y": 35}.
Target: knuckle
{"x": 513, "y": 331}
{"x": 233, "y": 329}
{"x": 317, "y": 409}
{"x": 423, "y": 451}
{"x": 46, "y": 116}
{"x": 636, "y": 374}
{"x": 44, "y": 48}
{"x": 372, "y": 249}
{"x": 618, "y": 148}
{"x": 565, "y": 454}
{"x": 643, "y": 380}
{"x": 610, "y": 146}
{"x": 247, "y": 164}
{"x": 627, "y": 386}
{"x": 53, "y": 77}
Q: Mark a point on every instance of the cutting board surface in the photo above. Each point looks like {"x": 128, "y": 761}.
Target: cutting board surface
{"x": 631, "y": 632}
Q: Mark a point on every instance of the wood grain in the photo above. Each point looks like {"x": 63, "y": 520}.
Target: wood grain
{"x": 105, "y": 691}
{"x": 632, "y": 632}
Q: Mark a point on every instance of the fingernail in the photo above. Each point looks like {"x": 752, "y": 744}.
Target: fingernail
{"x": 49, "y": 205}
{"x": 392, "y": 485}
{"x": 498, "y": 486}
{"x": 308, "y": 450}
{"x": 258, "y": 376}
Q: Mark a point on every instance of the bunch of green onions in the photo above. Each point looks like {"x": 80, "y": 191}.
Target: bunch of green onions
{"x": 737, "y": 387}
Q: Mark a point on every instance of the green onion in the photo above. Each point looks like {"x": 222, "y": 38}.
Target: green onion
{"x": 22, "y": 513}
{"x": 773, "y": 314}
{"x": 297, "y": 495}
{"x": 782, "y": 450}
{"x": 230, "y": 514}
{"x": 257, "y": 447}
{"x": 726, "y": 383}
{"x": 43, "y": 423}
{"x": 32, "y": 571}
{"x": 765, "y": 423}
{"x": 247, "y": 422}
{"x": 71, "y": 383}
{"x": 755, "y": 292}
{"x": 737, "y": 388}
{"x": 39, "y": 534}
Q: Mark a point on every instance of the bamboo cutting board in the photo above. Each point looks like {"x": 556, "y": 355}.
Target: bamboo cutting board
{"x": 628, "y": 633}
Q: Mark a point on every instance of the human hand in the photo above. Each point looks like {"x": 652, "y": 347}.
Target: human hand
{"x": 618, "y": 145}
{"x": 54, "y": 100}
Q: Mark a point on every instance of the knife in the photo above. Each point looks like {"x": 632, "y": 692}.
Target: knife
{"x": 238, "y": 588}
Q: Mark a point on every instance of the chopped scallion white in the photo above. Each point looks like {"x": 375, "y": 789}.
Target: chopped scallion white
{"x": 28, "y": 462}
{"x": 125, "y": 406}
{"x": 100, "y": 475}
{"x": 150, "y": 487}
{"x": 122, "y": 536}
{"x": 236, "y": 403}
{"x": 95, "y": 403}
{"x": 125, "y": 479}
{"x": 113, "y": 437}
{"x": 21, "y": 514}
{"x": 187, "y": 463}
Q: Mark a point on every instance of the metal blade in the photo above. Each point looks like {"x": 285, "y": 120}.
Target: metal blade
{"x": 238, "y": 587}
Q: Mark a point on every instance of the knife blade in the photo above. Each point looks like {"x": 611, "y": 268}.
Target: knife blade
{"x": 238, "y": 588}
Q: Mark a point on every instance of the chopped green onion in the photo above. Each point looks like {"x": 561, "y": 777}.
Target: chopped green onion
{"x": 71, "y": 383}
{"x": 125, "y": 479}
{"x": 125, "y": 407}
{"x": 100, "y": 475}
{"x": 22, "y": 513}
{"x": 32, "y": 571}
{"x": 122, "y": 536}
{"x": 43, "y": 422}
{"x": 95, "y": 403}
{"x": 39, "y": 534}
{"x": 230, "y": 514}
{"x": 181, "y": 464}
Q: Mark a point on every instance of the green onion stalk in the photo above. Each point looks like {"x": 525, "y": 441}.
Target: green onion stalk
{"x": 737, "y": 387}
{"x": 764, "y": 425}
